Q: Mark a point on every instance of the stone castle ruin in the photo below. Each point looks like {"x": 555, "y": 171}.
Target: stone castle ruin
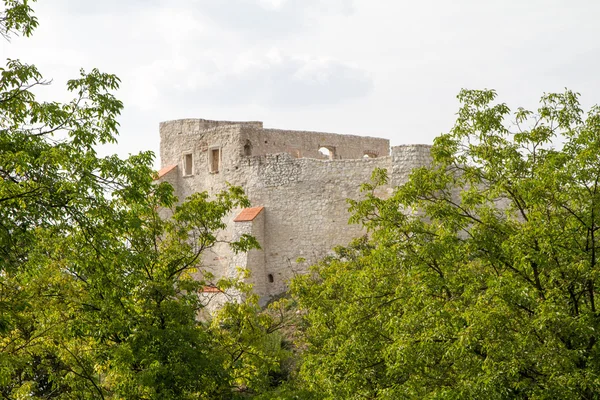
{"x": 297, "y": 181}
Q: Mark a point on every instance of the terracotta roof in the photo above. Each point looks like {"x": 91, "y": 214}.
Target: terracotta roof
{"x": 211, "y": 289}
{"x": 166, "y": 170}
{"x": 248, "y": 214}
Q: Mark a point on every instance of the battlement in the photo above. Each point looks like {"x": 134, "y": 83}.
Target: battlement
{"x": 191, "y": 125}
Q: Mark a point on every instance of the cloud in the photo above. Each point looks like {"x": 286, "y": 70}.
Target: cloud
{"x": 270, "y": 18}
{"x": 205, "y": 54}
{"x": 273, "y": 80}
{"x": 257, "y": 18}
{"x": 104, "y": 6}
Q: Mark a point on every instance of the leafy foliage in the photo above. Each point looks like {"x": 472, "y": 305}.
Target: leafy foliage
{"x": 98, "y": 293}
{"x": 480, "y": 276}
{"x": 17, "y": 17}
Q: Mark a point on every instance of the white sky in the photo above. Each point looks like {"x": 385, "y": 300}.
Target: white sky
{"x": 387, "y": 68}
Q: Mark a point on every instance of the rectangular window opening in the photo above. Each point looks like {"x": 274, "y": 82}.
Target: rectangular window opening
{"x": 215, "y": 159}
{"x": 188, "y": 164}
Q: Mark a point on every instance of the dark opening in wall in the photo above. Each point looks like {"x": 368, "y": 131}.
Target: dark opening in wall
{"x": 270, "y": 278}
{"x": 188, "y": 164}
{"x": 248, "y": 148}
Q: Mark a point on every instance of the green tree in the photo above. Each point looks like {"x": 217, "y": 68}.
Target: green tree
{"x": 97, "y": 295}
{"x": 480, "y": 275}
{"x": 16, "y": 17}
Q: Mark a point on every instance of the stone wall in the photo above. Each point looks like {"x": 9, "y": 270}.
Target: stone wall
{"x": 306, "y": 144}
{"x": 405, "y": 158}
{"x": 306, "y": 212}
{"x": 305, "y": 208}
{"x": 254, "y": 259}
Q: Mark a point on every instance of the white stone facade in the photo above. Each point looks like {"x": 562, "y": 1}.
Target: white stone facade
{"x": 303, "y": 192}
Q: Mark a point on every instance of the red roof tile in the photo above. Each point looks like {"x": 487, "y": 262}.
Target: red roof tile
{"x": 211, "y": 289}
{"x": 248, "y": 214}
{"x": 166, "y": 170}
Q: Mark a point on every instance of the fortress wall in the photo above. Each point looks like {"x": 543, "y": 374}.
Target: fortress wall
{"x": 182, "y": 137}
{"x": 305, "y": 204}
{"x": 306, "y": 212}
{"x": 195, "y": 125}
{"x": 307, "y": 144}
{"x": 405, "y": 158}
{"x": 256, "y": 258}
{"x": 200, "y": 145}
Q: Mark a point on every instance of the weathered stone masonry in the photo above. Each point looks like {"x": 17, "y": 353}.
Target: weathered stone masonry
{"x": 302, "y": 191}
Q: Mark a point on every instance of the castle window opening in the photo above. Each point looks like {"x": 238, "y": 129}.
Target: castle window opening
{"x": 270, "y": 277}
{"x": 370, "y": 154}
{"x": 327, "y": 151}
{"x": 188, "y": 164}
{"x": 214, "y": 159}
{"x": 248, "y": 148}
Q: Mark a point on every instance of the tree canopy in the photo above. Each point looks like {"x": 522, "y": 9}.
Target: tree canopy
{"x": 98, "y": 297}
{"x": 479, "y": 278}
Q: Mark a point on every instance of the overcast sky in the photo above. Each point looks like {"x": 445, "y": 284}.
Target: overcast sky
{"x": 387, "y": 68}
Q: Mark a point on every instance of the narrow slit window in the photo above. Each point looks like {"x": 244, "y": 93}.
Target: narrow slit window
{"x": 248, "y": 148}
{"x": 215, "y": 159}
{"x": 270, "y": 277}
{"x": 188, "y": 164}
